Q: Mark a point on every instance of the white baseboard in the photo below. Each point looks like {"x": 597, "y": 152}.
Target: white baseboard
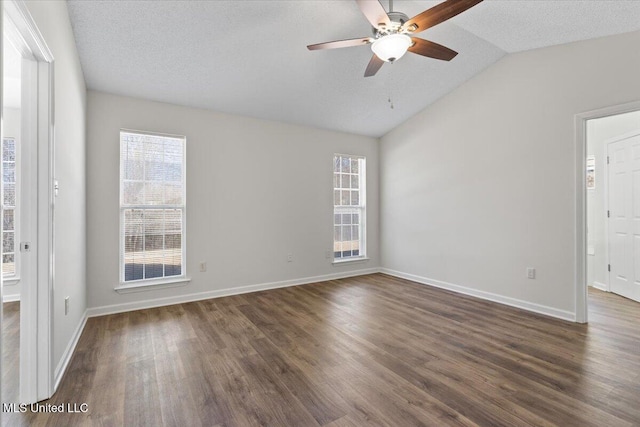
{"x": 179, "y": 299}
{"x": 513, "y": 302}
{"x": 601, "y": 286}
{"x": 160, "y": 302}
{"x": 68, "y": 352}
{"x": 10, "y": 298}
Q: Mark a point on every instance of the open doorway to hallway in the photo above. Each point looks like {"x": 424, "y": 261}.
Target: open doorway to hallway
{"x": 27, "y": 199}
{"x": 613, "y": 204}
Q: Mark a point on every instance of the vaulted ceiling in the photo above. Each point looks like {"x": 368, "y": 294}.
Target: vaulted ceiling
{"x": 250, "y": 58}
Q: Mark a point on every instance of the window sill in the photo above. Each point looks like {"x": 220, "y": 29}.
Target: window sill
{"x": 152, "y": 285}
{"x": 10, "y": 281}
{"x": 350, "y": 260}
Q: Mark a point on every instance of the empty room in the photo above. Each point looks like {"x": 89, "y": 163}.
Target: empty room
{"x": 320, "y": 213}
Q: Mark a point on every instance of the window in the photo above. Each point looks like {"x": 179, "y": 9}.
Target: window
{"x": 349, "y": 203}
{"x": 152, "y": 206}
{"x": 10, "y": 217}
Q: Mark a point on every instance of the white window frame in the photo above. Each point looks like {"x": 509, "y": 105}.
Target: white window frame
{"x": 166, "y": 281}
{"x": 361, "y": 209}
{"x": 12, "y": 279}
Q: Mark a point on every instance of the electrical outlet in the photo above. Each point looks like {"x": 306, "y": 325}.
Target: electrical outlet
{"x": 203, "y": 267}
{"x": 66, "y": 305}
{"x": 531, "y": 273}
{"x": 289, "y": 257}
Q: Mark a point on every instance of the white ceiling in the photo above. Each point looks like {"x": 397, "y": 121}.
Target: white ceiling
{"x": 250, "y": 58}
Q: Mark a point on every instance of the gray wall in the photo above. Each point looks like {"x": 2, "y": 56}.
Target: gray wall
{"x": 256, "y": 191}
{"x": 481, "y": 185}
{"x": 52, "y": 20}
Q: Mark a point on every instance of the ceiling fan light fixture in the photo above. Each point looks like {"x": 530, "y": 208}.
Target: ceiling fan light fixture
{"x": 391, "y": 47}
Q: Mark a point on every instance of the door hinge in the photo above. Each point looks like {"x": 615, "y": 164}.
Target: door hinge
{"x": 607, "y": 159}
{"x": 608, "y": 267}
{"x": 608, "y": 214}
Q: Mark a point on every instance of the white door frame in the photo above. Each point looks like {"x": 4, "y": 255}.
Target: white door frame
{"x": 36, "y": 310}
{"x": 605, "y": 193}
{"x": 580, "y": 273}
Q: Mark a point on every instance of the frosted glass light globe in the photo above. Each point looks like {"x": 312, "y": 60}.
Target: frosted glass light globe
{"x": 391, "y": 47}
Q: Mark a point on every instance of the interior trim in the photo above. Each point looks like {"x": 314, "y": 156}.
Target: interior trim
{"x": 489, "y": 296}
{"x": 179, "y": 299}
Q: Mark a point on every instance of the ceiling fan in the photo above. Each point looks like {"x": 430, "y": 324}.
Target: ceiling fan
{"x": 393, "y": 32}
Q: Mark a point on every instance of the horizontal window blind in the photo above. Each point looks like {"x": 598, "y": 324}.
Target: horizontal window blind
{"x": 152, "y": 206}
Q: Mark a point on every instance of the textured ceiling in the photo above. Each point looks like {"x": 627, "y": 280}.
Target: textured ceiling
{"x": 250, "y": 57}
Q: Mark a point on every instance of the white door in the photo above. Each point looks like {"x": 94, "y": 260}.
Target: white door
{"x": 624, "y": 215}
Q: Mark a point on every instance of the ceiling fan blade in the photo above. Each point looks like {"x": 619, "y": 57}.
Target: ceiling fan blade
{"x": 374, "y": 65}
{"x": 437, "y": 14}
{"x": 432, "y": 50}
{"x": 374, "y": 12}
{"x": 340, "y": 43}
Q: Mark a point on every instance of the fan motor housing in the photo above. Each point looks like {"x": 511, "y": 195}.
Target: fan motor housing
{"x": 397, "y": 19}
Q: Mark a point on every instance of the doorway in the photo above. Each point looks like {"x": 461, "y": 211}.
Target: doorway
{"x": 608, "y": 183}
{"x": 623, "y": 213}
{"x": 10, "y": 267}
{"x": 27, "y": 195}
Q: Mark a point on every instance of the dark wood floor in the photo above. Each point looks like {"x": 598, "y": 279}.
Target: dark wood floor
{"x": 10, "y": 351}
{"x": 371, "y": 350}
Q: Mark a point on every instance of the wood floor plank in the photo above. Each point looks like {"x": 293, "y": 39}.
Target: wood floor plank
{"x": 368, "y": 350}
{"x": 319, "y": 400}
{"x": 10, "y": 351}
{"x": 141, "y": 386}
{"x": 201, "y": 385}
{"x": 277, "y": 402}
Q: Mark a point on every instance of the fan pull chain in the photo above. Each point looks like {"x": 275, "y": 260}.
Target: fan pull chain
{"x": 390, "y": 87}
